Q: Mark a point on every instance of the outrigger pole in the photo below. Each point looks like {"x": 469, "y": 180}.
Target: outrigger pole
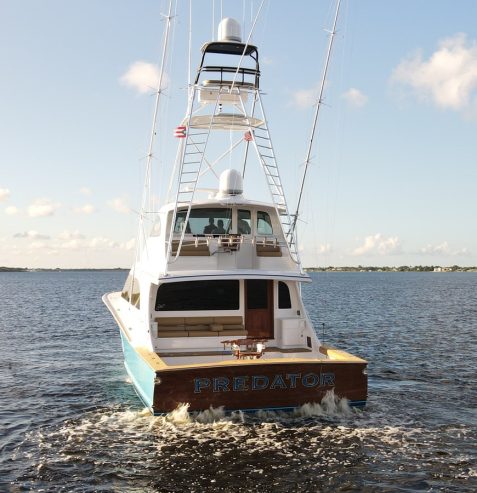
{"x": 146, "y": 205}
{"x": 146, "y": 202}
{"x": 315, "y": 119}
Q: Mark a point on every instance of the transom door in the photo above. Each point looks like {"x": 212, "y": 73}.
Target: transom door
{"x": 259, "y": 308}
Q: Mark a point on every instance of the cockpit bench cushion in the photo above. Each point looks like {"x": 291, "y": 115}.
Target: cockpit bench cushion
{"x": 172, "y": 333}
{"x": 169, "y": 321}
{"x": 200, "y": 326}
{"x": 198, "y": 323}
{"x": 203, "y": 333}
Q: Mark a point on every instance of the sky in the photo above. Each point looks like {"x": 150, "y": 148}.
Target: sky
{"x": 393, "y": 175}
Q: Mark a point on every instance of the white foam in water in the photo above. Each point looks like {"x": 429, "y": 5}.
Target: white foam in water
{"x": 180, "y": 415}
{"x": 331, "y": 406}
{"x": 330, "y": 434}
{"x": 210, "y": 415}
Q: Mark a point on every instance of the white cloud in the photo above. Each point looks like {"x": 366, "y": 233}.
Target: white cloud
{"x": 448, "y": 78}
{"x": 42, "y": 208}
{"x": 354, "y": 97}
{"x": 38, "y": 245}
{"x": 463, "y": 252}
{"x": 71, "y": 235}
{"x": 85, "y": 191}
{"x": 74, "y": 240}
{"x": 85, "y": 209}
{"x": 4, "y": 194}
{"x": 129, "y": 245}
{"x": 378, "y": 245}
{"x": 11, "y": 210}
{"x": 143, "y": 76}
{"x": 32, "y": 234}
{"x": 443, "y": 249}
{"x": 101, "y": 242}
{"x": 304, "y": 98}
{"x": 72, "y": 244}
{"x": 119, "y": 204}
{"x": 324, "y": 249}
{"x": 316, "y": 249}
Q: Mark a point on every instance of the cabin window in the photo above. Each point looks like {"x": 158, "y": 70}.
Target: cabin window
{"x": 244, "y": 220}
{"x": 131, "y": 292}
{"x": 198, "y": 295}
{"x": 284, "y": 300}
{"x": 205, "y": 221}
{"x": 264, "y": 223}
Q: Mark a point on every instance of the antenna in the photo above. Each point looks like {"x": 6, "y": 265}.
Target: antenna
{"x": 315, "y": 119}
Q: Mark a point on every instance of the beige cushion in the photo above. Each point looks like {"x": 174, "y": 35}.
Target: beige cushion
{"x": 167, "y": 321}
{"x": 199, "y": 320}
{"x": 172, "y": 333}
{"x": 228, "y": 320}
{"x": 197, "y": 327}
{"x": 203, "y": 333}
{"x": 165, "y": 328}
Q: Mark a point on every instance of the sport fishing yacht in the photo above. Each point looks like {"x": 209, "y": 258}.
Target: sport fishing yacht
{"x": 211, "y": 314}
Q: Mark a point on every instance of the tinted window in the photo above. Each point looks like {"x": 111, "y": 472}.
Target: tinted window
{"x": 198, "y": 295}
{"x": 264, "y": 223}
{"x": 284, "y": 300}
{"x": 205, "y": 221}
{"x": 257, "y": 293}
{"x": 244, "y": 220}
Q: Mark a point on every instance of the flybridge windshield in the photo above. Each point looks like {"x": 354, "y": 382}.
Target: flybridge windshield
{"x": 205, "y": 221}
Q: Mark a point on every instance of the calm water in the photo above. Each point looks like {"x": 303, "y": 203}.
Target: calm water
{"x": 70, "y": 421}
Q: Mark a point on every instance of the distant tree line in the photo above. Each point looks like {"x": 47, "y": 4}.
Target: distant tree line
{"x": 401, "y": 268}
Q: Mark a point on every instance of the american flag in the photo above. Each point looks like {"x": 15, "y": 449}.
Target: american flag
{"x": 180, "y": 132}
{"x": 248, "y": 136}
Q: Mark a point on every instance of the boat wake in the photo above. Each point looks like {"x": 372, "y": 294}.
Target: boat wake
{"x": 331, "y": 407}
{"x": 317, "y": 445}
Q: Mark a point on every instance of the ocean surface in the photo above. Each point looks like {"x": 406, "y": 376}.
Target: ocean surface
{"x": 70, "y": 420}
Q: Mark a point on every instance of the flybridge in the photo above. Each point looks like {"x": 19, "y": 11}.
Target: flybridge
{"x": 226, "y": 96}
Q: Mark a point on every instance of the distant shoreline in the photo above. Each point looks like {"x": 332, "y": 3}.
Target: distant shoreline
{"x": 402, "y": 268}
{"x": 360, "y": 268}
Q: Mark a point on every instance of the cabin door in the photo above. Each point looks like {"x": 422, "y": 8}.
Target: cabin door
{"x": 259, "y": 308}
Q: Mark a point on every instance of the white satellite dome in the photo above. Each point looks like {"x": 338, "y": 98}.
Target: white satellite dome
{"x": 229, "y": 30}
{"x": 230, "y": 183}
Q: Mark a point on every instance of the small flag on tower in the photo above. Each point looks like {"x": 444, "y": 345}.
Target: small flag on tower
{"x": 248, "y": 136}
{"x": 180, "y": 132}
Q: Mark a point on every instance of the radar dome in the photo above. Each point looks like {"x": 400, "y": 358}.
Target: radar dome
{"x": 230, "y": 183}
{"x": 229, "y": 30}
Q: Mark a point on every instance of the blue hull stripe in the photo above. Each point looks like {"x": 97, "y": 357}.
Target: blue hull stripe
{"x": 141, "y": 374}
